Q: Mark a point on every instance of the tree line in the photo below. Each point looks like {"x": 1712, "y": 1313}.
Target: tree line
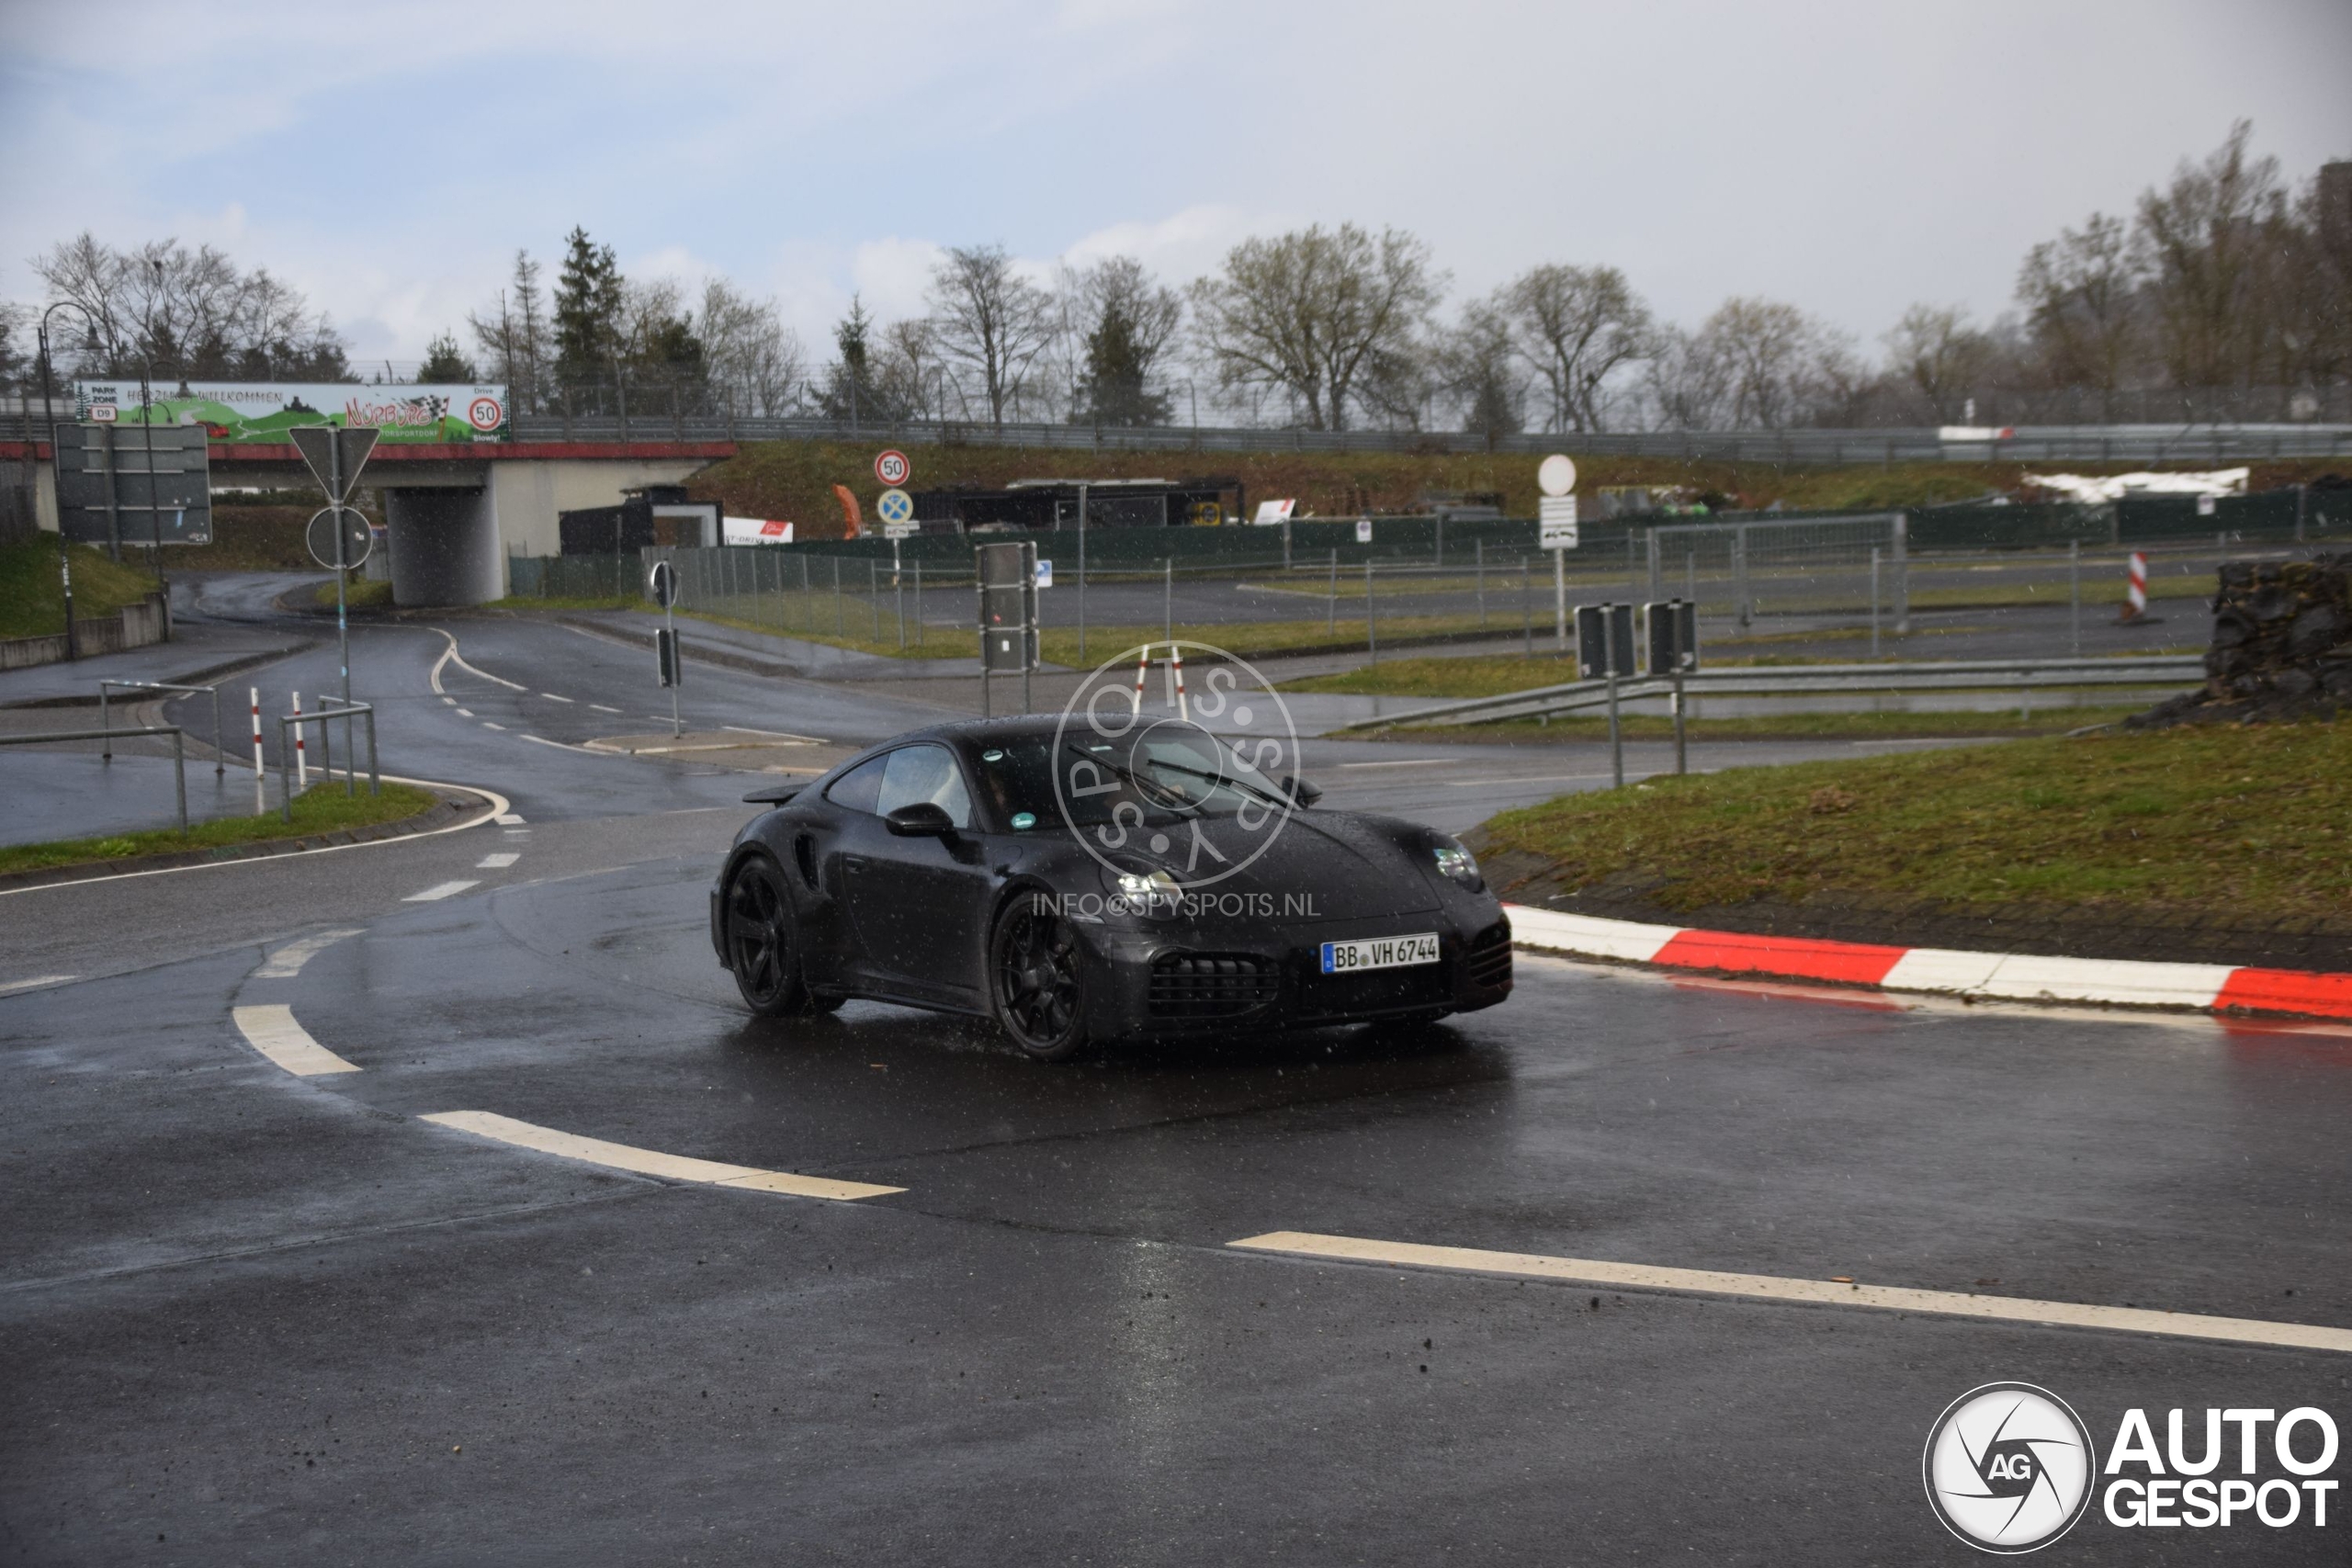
{"x": 2223, "y": 285}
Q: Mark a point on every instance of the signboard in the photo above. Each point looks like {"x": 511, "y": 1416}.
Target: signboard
{"x": 352, "y": 550}
{"x": 334, "y": 455}
{"x": 894, "y": 506}
{"x": 754, "y": 531}
{"x": 1274, "y": 511}
{"x": 263, "y": 411}
{"x": 1557, "y": 475}
{"x": 1557, "y": 522}
{"x": 892, "y": 468}
{"x": 106, "y": 492}
{"x": 1044, "y": 574}
{"x": 1363, "y": 530}
{"x": 662, "y": 582}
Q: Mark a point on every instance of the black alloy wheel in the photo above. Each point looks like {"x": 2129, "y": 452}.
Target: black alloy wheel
{"x": 760, "y": 948}
{"x": 1037, "y": 978}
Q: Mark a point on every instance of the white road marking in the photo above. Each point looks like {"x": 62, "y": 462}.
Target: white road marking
{"x": 452, "y": 701}
{"x": 34, "y": 983}
{"x": 487, "y": 724}
{"x": 463, "y": 713}
{"x": 272, "y": 1032}
{"x": 439, "y": 890}
{"x": 1533, "y": 778}
{"x": 653, "y": 1162}
{"x": 553, "y": 698}
{"x": 509, "y": 819}
{"x": 777, "y": 734}
{"x": 1824, "y": 1292}
{"x": 566, "y": 745}
{"x": 496, "y": 862}
{"x": 288, "y": 961}
{"x": 1414, "y": 763}
{"x": 602, "y": 708}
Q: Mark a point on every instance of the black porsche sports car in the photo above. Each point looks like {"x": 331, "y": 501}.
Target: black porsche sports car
{"x": 1079, "y": 889}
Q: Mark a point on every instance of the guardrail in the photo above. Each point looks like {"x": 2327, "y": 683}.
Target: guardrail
{"x": 1769, "y": 680}
{"x": 179, "y": 752}
{"x": 287, "y": 752}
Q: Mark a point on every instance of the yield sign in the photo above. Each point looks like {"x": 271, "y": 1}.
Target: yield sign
{"x": 335, "y": 453}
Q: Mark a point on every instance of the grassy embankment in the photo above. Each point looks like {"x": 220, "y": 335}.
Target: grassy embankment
{"x": 2243, "y": 821}
{"x": 325, "y": 809}
{"x": 32, "y": 597}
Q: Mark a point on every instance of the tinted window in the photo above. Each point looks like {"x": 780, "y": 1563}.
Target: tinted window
{"x": 860, "y": 787}
{"x": 914, "y": 774}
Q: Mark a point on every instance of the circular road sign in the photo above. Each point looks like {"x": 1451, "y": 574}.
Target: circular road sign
{"x": 892, "y": 468}
{"x": 1557, "y": 475}
{"x": 320, "y": 533}
{"x": 663, "y": 582}
{"x": 895, "y": 506}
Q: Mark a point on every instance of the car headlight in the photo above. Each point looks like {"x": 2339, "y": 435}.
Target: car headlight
{"x": 1147, "y": 892}
{"x": 1458, "y": 865}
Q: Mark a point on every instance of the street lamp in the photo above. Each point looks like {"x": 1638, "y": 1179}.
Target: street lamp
{"x": 49, "y": 406}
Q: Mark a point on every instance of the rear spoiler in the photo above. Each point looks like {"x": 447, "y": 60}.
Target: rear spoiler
{"x": 774, "y": 795}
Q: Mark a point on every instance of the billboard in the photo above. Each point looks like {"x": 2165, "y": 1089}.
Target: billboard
{"x": 129, "y": 486}
{"x": 262, "y": 412}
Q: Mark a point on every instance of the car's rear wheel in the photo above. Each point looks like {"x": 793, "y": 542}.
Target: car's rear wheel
{"x": 1037, "y": 982}
{"x": 762, "y": 952}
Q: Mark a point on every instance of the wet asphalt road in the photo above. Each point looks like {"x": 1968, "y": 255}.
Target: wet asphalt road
{"x": 256, "y": 1317}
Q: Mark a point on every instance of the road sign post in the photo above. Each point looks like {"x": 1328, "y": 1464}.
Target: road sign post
{"x": 1007, "y": 578}
{"x": 334, "y": 455}
{"x": 1556, "y": 532}
{"x": 896, "y": 509}
{"x": 892, "y": 468}
{"x": 669, "y": 667}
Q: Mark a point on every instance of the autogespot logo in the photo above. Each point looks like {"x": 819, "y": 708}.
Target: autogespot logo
{"x": 1187, "y": 780}
{"x": 2008, "y": 1467}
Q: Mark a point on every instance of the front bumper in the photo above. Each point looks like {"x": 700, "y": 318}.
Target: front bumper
{"x": 1147, "y": 983}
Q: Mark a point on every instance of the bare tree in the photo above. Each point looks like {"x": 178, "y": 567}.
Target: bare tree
{"x": 514, "y": 334}
{"x": 755, "y": 361}
{"x": 2202, "y": 233}
{"x": 1479, "y": 363}
{"x": 1943, "y": 356}
{"x": 191, "y": 313}
{"x": 990, "y": 318}
{"x": 2079, "y": 292}
{"x": 1123, "y": 321}
{"x": 1318, "y": 313}
{"x": 911, "y": 371}
{"x": 1577, "y": 326}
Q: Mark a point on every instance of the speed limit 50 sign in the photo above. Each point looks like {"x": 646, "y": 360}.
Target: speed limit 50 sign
{"x": 892, "y": 468}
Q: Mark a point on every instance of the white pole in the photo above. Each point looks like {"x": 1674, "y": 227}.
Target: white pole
{"x": 302, "y": 762}
{"x": 256, "y": 693}
{"x": 1176, "y": 659}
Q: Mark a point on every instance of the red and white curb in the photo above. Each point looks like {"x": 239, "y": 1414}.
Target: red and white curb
{"x": 2010, "y": 977}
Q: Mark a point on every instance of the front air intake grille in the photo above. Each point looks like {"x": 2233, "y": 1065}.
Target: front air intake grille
{"x": 1210, "y": 985}
{"x": 1489, "y": 959}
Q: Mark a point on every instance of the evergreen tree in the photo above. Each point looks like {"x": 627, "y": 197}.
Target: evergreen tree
{"x": 445, "y": 362}
{"x": 588, "y": 300}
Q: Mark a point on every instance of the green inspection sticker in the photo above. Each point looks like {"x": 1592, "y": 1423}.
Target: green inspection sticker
{"x": 1022, "y": 819}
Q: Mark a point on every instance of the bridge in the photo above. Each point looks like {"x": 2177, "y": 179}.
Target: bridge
{"x": 454, "y": 510}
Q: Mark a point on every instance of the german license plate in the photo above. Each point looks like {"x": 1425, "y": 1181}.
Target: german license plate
{"x": 1379, "y": 952}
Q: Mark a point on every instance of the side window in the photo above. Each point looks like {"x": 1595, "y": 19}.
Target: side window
{"x": 860, "y": 787}
{"x": 916, "y": 773}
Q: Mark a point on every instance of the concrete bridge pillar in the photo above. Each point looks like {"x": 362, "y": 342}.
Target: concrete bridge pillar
{"x": 444, "y": 547}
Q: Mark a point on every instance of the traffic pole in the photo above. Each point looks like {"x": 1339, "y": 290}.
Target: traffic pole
{"x": 260, "y": 799}
{"x": 1143, "y": 668}
{"x": 302, "y": 762}
{"x": 2135, "y": 593}
{"x": 1176, "y": 663}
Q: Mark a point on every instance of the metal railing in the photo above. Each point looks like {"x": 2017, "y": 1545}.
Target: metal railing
{"x": 1781, "y": 681}
{"x": 220, "y": 753}
{"x": 179, "y": 752}
{"x": 285, "y": 750}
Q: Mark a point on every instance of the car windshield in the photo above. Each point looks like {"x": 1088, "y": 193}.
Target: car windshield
{"x": 1082, "y": 778}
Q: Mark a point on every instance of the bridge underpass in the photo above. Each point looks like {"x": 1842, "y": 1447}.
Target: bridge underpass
{"x": 455, "y": 513}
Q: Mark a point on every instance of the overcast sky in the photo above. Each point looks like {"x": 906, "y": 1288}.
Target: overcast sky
{"x": 1851, "y": 157}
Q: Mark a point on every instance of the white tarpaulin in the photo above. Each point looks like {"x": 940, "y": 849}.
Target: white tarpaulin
{"x": 754, "y": 531}
{"x": 1274, "y": 511}
{"x": 2093, "y": 492}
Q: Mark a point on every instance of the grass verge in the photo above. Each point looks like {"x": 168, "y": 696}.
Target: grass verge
{"x": 2247, "y": 821}
{"x": 32, "y": 598}
{"x": 322, "y": 809}
{"x": 1797, "y": 725}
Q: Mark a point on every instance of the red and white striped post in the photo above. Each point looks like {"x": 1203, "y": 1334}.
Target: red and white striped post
{"x": 1143, "y": 668}
{"x": 254, "y": 692}
{"x": 1176, "y": 663}
{"x": 302, "y": 763}
{"x": 2136, "y": 593}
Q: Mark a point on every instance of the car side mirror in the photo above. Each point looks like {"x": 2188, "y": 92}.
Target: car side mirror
{"x": 923, "y": 819}
{"x": 1299, "y": 790}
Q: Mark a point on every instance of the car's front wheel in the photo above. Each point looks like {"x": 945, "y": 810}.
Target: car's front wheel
{"x": 763, "y": 950}
{"x": 1037, "y": 982}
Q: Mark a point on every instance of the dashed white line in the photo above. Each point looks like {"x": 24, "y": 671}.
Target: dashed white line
{"x": 272, "y": 1032}
{"x": 487, "y": 724}
{"x": 439, "y": 890}
{"x": 1820, "y": 1292}
{"x": 462, "y": 712}
{"x": 496, "y": 862}
{"x": 288, "y": 961}
{"x": 602, "y": 708}
{"x": 452, "y": 701}
{"x": 34, "y": 983}
{"x": 510, "y": 818}
{"x": 651, "y": 1162}
{"x": 553, "y": 698}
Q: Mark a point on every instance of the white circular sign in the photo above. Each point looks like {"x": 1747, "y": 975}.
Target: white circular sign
{"x": 895, "y": 506}
{"x": 1557, "y": 475}
{"x": 319, "y": 537}
{"x": 2008, "y": 1467}
{"x": 484, "y": 414}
